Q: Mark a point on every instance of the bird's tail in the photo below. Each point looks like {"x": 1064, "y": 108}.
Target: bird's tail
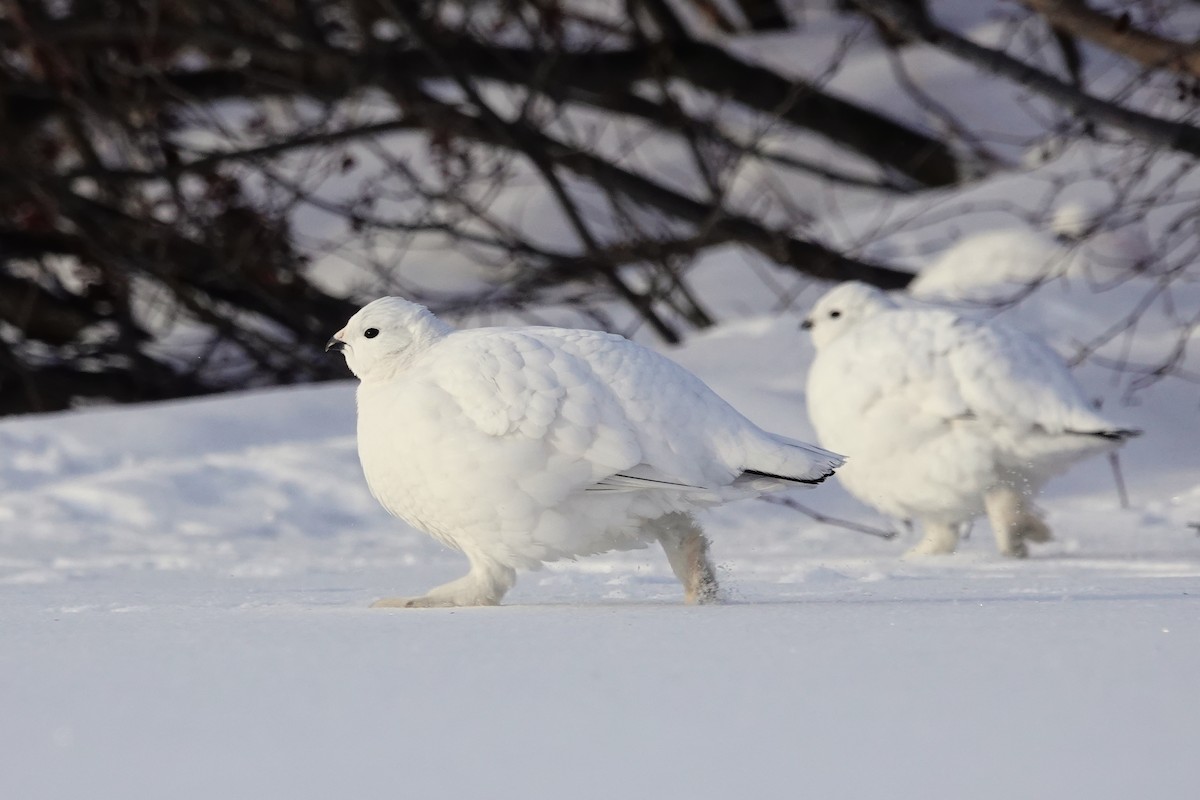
{"x": 1114, "y": 435}
{"x": 776, "y": 462}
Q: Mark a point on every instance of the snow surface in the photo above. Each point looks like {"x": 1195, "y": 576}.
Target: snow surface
{"x": 183, "y": 604}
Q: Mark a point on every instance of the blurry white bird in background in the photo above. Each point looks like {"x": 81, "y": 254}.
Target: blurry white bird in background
{"x": 944, "y": 418}
{"x": 520, "y": 446}
{"x": 1085, "y": 246}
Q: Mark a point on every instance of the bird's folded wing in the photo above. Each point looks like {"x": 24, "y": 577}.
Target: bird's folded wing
{"x": 896, "y": 366}
{"x": 1008, "y": 378}
{"x": 516, "y": 385}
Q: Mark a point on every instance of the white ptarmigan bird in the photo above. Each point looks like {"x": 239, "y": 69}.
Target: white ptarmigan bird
{"x": 1084, "y": 246}
{"x": 520, "y": 446}
{"x": 944, "y": 418}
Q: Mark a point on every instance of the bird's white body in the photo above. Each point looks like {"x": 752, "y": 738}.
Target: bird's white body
{"x": 499, "y": 439}
{"x": 1081, "y": 248}
{"x": 943, "y": 417}
{"x": 520, "y": 446}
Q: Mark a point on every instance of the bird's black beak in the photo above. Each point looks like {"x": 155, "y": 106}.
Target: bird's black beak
{"x": 803, "y": 326}
{"x": 335, "y": 344}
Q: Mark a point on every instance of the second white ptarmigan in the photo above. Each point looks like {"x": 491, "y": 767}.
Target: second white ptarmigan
{"x": 520, "y": 446}
{"x": 944, "y": 418}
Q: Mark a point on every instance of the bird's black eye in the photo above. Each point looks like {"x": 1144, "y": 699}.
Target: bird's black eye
{"x": 371, "y": 333}
{"x": 834, "y": 314}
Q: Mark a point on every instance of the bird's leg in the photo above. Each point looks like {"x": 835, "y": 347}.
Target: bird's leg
{"x": 484, "y": 585}
{"x": 1014, "y": 521}
{"x": 686, "y": 547}
{"x": 940, "y": 538}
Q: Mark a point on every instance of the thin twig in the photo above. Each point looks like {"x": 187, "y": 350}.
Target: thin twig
{"x": 788, "y": 502}
{"x": 1114, "y": 461}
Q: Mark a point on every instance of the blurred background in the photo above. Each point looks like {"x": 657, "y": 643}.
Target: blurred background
{"x": 195, "y": 195}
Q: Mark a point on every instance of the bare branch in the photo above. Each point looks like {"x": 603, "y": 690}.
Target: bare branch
{"x": 1176, "y": 135}
{"x": 1118, "y": 35}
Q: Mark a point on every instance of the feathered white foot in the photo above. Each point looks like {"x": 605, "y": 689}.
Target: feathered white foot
{"x": 939, "y": 539}
{"x": 485, "y": 585}
{"x": 1014, "y": 521}
{"x": 686, "y": 546}
{"x": 1034, "y": 529}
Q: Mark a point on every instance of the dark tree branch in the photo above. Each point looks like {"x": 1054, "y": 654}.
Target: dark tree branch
{"x": 1175, "y": 135}
{"x": 519, "y": 137}
{"x": 210, "y": 161}
{"x": 764, "y": 15}
{"x": 805, "y": 256}
{"x": 589, "y": 75}
{"x": 1149, "y": 50}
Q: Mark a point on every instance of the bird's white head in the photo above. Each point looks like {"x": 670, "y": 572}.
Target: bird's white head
{"x": 385, "y": 336}
{"x": 843, "y": 307}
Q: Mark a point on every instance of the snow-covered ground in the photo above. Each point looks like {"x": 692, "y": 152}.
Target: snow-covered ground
{"x": 183, "y": 611}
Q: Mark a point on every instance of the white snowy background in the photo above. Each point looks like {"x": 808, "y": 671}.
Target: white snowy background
{"x": 184, "y": 587}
